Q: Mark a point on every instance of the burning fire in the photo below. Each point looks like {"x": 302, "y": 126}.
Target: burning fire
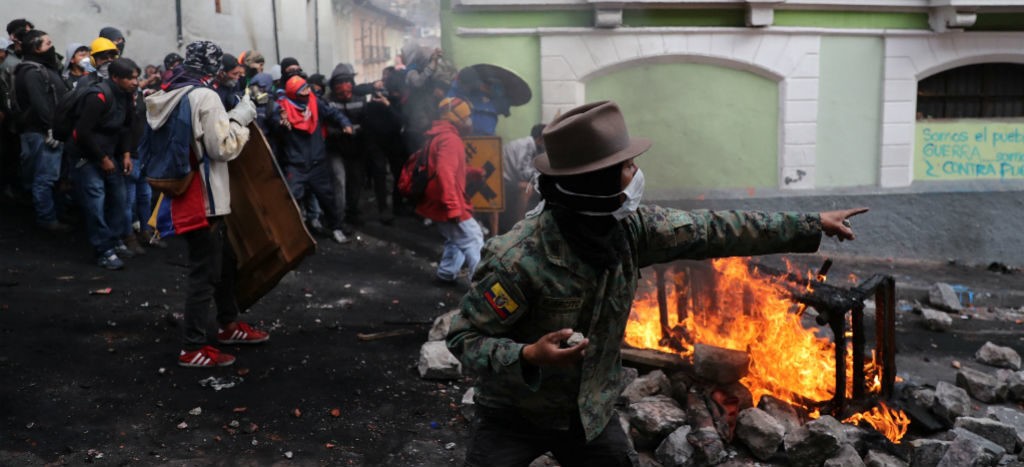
{"x": 891, "y": 423}
{"x": 746, "y": 311}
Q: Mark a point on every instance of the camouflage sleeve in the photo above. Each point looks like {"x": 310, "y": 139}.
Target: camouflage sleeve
{"x": 664, "y": 234}
{"x": 480, "y": 336}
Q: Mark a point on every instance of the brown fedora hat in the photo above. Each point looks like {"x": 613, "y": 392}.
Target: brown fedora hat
{"x": 588, "y": 138}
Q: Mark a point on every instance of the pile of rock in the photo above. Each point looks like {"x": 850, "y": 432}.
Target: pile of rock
{"x": 701, "y": 415}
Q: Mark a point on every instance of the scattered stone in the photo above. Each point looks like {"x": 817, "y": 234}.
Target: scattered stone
{"x": 720, "y": 365}
{"x": 781, "y": 412}
{"x": 881, "y": 459}
{"x": 233, "y": 424}
{"x": 998, "y": 356}
{"x": 935, "y": 320}
{"x": 196, "y": 411}
{"x": 971, "y": 450}
{"x": 955, "y": 364}
{"x": 449, "y": 446}
{"x": 943, "y": 297}
{"x": 182, "y": 425}
{"x": 951, "y": 402}
{"x": 653, "y": 418}
{"x": 846, "y": 457}
{"x": 710, "y": 450}
{"x": 925, "y": 397}
{"x": 980, "y": 385}
{"x": 1003, "y": 434}
{"x": 441, "y": 326}
{"x": 288, "y": 454}
{"x": 675, "y": 450}
{"x": 928, "y": 452}
{"x": 224, "y": 382}
{"x": 1014, "y": 383}
{"x": 812, "y": 444}
{"x": 1012, "y": 417}
{"x": 760, "y": 432}
{"x": 651, "y": 384}
{"x": 436, "y": 362}
{"x": 743, "y": 398}
{"x": 468, "y": 404}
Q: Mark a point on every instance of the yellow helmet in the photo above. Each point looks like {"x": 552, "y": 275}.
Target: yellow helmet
{"x": 101, "y": 44}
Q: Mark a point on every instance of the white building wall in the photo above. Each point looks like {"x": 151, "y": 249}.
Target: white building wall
{"x": 909, "y": 59}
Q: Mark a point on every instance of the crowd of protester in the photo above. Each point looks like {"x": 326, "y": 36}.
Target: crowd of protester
{"x": 336, "y": 137}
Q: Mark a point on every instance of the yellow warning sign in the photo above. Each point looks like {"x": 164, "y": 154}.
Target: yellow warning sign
{"x": 485, "y": 190}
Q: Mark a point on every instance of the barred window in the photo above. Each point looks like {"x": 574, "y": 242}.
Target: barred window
{"x": 987, "y": 90}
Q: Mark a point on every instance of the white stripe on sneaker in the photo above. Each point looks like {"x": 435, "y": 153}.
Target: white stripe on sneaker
{"x": 196, "y": 358}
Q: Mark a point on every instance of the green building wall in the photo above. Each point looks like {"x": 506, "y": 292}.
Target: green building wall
{"x": 713, "y": 127}
{"x": 849, "y": 111}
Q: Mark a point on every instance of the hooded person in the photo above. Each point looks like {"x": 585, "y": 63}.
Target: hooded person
{"x": 299, "y": 120}
{"x": 260, "y": 88}
{"x": 114, "y": 35}
{"x": 354, "y": 159}
{"x": 573, "y": 265}
{"x": 76, "y": 62}
{"x": 218, "y": 137}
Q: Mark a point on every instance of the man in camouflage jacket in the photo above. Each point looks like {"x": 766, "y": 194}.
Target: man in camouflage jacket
{"x": 537, "y": 284}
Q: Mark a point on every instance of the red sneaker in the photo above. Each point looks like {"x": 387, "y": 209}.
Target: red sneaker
{"x": 206, "y": 357}
{"x": 242, "y": 334}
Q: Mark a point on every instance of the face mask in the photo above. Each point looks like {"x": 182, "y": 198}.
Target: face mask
{"x": 633, "y": 192}
{"x": 231, "y": 84}
{"x": 50, "y": 56}
{"x": 86, "y": 65}
{"x": 103, "y": 70}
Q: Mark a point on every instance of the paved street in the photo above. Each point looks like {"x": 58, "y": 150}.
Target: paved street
{"x": 89, "y": 375}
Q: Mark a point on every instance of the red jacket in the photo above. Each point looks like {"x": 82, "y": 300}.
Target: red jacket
{"x": 445, "y": 197}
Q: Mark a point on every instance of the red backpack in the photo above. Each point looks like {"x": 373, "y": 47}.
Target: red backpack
{"x": 416, "y": 173}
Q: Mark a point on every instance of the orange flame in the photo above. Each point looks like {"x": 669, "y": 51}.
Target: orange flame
{"x": 746, "y": 311}
{"x": 891, "y": 423}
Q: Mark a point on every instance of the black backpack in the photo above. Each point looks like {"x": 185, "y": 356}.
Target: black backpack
{"x": 69, "y": 107}
{"x": 17, "y": 110}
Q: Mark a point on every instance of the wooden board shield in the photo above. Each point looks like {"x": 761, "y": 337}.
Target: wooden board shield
{"x": 265, "y": 226}
{"x": 484, "y": 153}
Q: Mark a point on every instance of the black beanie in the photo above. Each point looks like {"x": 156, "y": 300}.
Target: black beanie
{"x": 229, "y": 62}
{"x": 287, "y": 62}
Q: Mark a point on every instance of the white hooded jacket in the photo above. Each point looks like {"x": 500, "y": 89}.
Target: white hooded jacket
{"x": 217, "y": 135}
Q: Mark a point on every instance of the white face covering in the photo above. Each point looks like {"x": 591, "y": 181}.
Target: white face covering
{"x": 634, "y": 192}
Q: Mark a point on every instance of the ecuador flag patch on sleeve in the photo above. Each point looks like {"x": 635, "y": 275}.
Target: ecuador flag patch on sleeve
{"x": 500, "y": 300}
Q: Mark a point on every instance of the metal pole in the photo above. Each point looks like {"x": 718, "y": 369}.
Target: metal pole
{"x": 177, "y": 12}
{"x": 316, "y": 32}
{"x": 277, "y": 43}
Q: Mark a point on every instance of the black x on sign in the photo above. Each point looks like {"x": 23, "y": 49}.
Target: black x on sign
{"x": 484, "y": 190}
